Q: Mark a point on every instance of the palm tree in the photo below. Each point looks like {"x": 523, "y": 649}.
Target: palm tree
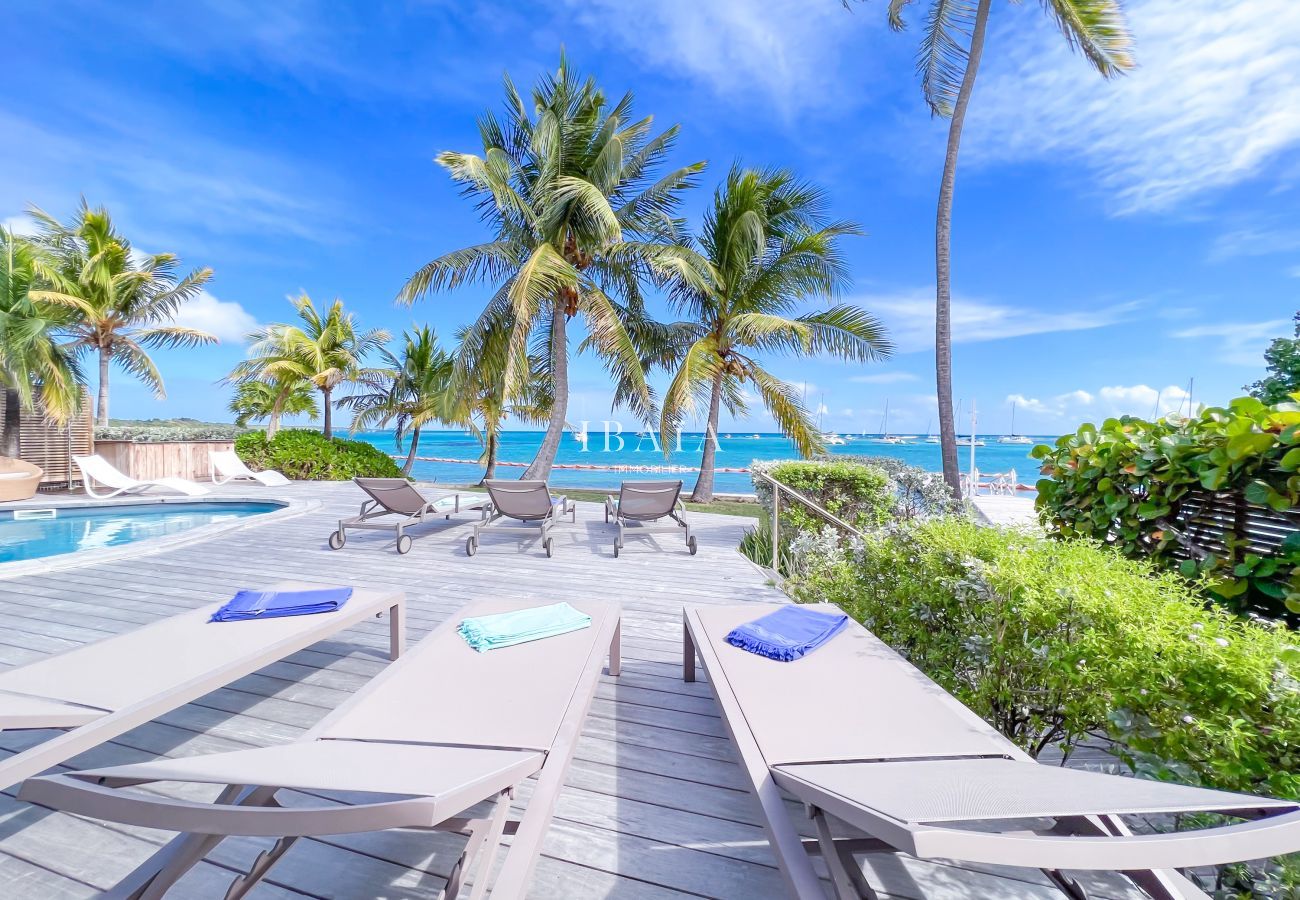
{"x": 768, "y": 247}
{"x": 325, "y": 350}
{"x": 948, "y": 61}
{"x": 31, "y": 358}
{"x": 124, "y": 301}
{"x": 257, "y": 400}
{"x": 579, "y": 219}
{"x": 413, "y": 389}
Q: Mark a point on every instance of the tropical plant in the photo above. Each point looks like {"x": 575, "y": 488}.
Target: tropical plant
{"x": 255, "y": 401}
{"x": 124, "y": 303}
{"x": 1143, "y": 487}
{"x": 33, "y": 363}
{"x": 412, "y": 389}
{"x": 947, "y": 62}
{"x": 766, "y": 246}
{"x": 1282, "y": 359}
{"x": 568, "y": 185}
{"x": 310, "y": 456}
{"x": 325, "y": 350}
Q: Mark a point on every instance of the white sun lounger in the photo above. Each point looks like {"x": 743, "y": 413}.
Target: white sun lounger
{"x": 101, "y": 690}
{"x": 435, "y": 734}
{"x": 97, "y": 469}
{"x": 226, "y": 465}
{"x": 916, "y": 771}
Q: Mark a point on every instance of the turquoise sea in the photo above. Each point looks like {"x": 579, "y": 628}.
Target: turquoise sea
{"x": 609, "y": 465}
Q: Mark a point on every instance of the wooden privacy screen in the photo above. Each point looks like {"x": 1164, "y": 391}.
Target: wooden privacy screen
{"x": 52, "y": 446}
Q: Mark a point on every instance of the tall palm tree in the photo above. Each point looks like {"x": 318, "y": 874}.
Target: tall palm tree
{"x": 326, "y": 350}
{"x": 568, "y": 185}
{"x": 32, "y": 359}
{"x": 413, "y": 390}
{"x": 257, "y": 400}
{"x": 768, "y": 248}
{"x": 948, "y": 61}
{"x": 124, "y": 302}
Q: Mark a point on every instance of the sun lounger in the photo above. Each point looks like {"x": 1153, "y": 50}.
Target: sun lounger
{"x": 96, "y": 469}
{"x": 435, "y": 734}
{"x": 398, "y": 497}
{"x": 103, "y": 689}
{"x": 916, "y": 771}
{"x": 523, "y": 503}
{"x": 226, "y": 465}
{"x": 646, "y": 503}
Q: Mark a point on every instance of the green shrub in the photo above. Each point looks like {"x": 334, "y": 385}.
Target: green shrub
{"x": 1056, "y": 642}
{"x": 1123, "y": 483}
{"x": 310, "y": 456}
{"x": 161, "y": 430}
{"x": 918, "y": 493}
{"x": 859, "y": 494}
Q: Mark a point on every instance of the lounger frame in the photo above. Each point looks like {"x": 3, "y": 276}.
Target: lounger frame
{"x": 1080, "y": 842}
{"x": 375, "y": 508}
{"x": 128, "y": 485}
{"x": 253, "y": 811}
{"x": 88, "y": 727}
{"x": 495, "y": 517}
{"x": 674, "y": 510}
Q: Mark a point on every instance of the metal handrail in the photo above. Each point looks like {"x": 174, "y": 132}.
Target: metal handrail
{"x": 777, "y": 489}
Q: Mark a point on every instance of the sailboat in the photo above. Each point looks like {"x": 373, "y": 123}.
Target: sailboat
{"x": 828, "y": 437}
{"x": 885, "y": 436}
{"x": 930, "y": 437}
{"x": 1014, "y": 438}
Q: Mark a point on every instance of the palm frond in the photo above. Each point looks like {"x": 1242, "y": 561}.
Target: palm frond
{"x": 1098, "y": 29}
{"x": 941, "y": 60}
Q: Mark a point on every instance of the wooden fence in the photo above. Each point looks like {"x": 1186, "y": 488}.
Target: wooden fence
{"x": 52, "y": 446}
{"x": 162, "y": 459}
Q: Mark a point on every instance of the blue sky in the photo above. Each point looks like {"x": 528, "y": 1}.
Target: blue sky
{"x": 1111, "y": 240}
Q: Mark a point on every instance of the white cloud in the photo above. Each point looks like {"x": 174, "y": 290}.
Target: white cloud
{"x": 1113, "y": 400}
{"x": 1254, "y": 241}
{"x": 1214, "y": 98}
{"x": 784, "y": 51}
{"x": 909, "y": 316}
{"x": 1294, "y": 271}
{"x": 20, "y": 225}
{"x": 1238, "y": 343}
{"x": 226, "y": 319}
{"x": 883, "y": 378}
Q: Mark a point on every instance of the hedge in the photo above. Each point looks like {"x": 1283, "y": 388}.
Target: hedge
{"x": 310, "y": 456}
{"x": 163, "y": 431}
{"x": 859, "y": 494}
{"x": 1122, "y": 483}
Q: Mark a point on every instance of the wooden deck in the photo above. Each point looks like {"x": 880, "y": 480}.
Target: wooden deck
{"x": 654, "y": 806}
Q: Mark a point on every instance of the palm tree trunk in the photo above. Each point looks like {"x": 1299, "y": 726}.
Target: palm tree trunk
{"x": 101, "y": 406}
{"x": 493, "y": 447}
{"x": 942, "y": 261}
{"x": 540, "y": 467}
{"x": 703, "y": 492}
{"x": 410, "y": 457}
{"x": 12, "y": 424}
{"x": 328, "y": 425}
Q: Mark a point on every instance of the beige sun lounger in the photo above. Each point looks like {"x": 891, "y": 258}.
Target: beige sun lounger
{"x": 523, "y": 503}
{"x": 916, "y": 771}
{"x": 225, "y": 466}
{"x": 101, "y": 690}
{"x": 397, "y": 497}
{"x": 643, "y": 505}
{"x": 435, "y": 734}
{"x": 96, "y": 469}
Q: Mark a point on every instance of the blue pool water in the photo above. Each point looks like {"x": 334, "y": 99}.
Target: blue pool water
{"x": 31, "y": 534}
{"x": 736, "y": 451}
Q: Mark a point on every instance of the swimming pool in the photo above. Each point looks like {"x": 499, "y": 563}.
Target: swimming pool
{"x": 35, "y": 533}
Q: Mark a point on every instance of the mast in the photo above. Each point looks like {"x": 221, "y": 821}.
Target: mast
{"x": 974, "y": 484}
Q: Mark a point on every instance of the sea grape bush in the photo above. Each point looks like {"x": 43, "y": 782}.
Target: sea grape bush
{"x": 1121, "y": 483}
{"x": 857, "y": 493}
{"x": 310, "y": 456}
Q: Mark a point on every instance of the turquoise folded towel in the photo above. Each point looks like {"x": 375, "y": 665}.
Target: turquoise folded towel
{"x": 485, "y": 633}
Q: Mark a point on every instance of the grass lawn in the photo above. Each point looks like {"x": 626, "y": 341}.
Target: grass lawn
{"x": 722, "y": 507}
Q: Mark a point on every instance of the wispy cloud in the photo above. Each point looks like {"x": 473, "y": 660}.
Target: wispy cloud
{"x": 1214, "y": 99}
{"x": 909, "y": 316}
{"x": 1237, "y": 343}
{"x": 1254, "y": 240}
{"x": 883, "y": 378}
{"x": 1111, "y": 400}
{"x": 783, "y": 51}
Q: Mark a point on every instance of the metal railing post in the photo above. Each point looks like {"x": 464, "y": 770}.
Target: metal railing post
{"x": 776, "y": 527}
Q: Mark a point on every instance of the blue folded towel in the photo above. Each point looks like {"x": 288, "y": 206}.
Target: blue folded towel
{"x": 485, "y": 633}
{"x": 787, "y": 634}
{"x": 273, "y": 604}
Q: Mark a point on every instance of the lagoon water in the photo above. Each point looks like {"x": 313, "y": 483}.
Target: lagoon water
{"x": 736, "y": 451}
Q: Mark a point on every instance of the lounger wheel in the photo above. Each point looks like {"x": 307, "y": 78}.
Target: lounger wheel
{"x": 617, "y": 545}
{"x": 404, "y": 544}
{"x": 549, "y": 544}
{"x": 471, "y": 546}
{"x": 337, "y": 539}
{"x": 692, "y": 545}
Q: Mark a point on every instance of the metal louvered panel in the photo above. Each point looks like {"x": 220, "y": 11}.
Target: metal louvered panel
{"x": 52, "y": 446}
